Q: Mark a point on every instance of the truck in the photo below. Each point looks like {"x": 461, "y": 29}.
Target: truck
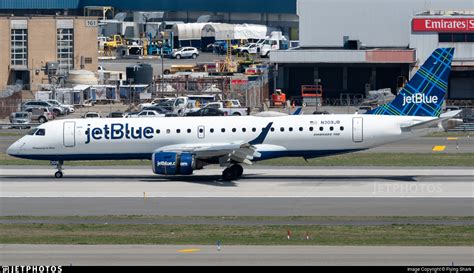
{"x": 275, "y": 41}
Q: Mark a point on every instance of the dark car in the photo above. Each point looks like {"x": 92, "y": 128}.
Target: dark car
{"x": 159, "y": 109}
{"x": 115, "y": 115}
{"x": 206, "y": 112}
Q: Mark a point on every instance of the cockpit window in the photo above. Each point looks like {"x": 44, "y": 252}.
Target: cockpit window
{"x": 32, "y": 132}
{"x": 40, "y": 132}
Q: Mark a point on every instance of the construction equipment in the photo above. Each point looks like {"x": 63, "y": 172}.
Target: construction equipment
{"x": 312, "y": 95}
{"x": 278, "y": 98}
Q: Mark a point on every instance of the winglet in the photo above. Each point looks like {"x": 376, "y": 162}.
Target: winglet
{"x": 261, "y": 138}
{"x": 298, "y": 111}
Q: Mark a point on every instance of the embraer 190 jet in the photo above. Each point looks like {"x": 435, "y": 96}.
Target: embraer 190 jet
{"x": 180, "y": 145}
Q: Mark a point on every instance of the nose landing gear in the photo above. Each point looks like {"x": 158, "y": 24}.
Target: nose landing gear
{"x": 233, "y": 172}
{"x": 59, "y": 166}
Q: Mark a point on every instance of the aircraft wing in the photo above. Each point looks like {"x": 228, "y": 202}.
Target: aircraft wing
{"x": 239, "y": 151}
{"x": 226, "y": 152}
{"x": 430, "y": 123}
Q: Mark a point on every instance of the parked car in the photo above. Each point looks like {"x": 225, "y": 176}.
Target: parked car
{"x": 57, "y": 110}
{"x": 40, "y": 114}
{"x": 20, "y": 118}
{"x": 185, "y": 52}
{"x": 91, "y": 115}
{"x": 116, "y": 115}
{"x": 158, "y": 109}
{"x": 149, "y": 114}
{"x": 69, "y": 108}
{"x": 206, "y": 112}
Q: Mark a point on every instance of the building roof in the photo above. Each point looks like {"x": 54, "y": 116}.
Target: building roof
{"x": 243, "y": 6}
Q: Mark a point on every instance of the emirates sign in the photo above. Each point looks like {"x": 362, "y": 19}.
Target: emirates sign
{"x": 443, "y": 24}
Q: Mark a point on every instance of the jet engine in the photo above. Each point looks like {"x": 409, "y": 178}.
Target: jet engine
{"x": 171, "y": 163}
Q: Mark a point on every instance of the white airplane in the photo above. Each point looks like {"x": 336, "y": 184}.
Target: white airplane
{"x": 180, "y": 145}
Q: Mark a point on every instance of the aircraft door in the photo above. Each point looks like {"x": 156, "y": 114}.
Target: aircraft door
{"x": 357, "y": 129}
{"x": 69, "y": 133}
{"x": 201, "y": 131}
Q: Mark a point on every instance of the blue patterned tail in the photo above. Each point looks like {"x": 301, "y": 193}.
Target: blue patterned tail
{"x": 424, "y": 94}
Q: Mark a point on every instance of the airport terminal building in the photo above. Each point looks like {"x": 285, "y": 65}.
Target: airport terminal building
{"x": 373, "y": 44}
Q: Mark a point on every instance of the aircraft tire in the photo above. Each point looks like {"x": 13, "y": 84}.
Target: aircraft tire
{"x": 58, "y": 174}
{"x": 228, "y": 174}
{"x": 237, "y": 169}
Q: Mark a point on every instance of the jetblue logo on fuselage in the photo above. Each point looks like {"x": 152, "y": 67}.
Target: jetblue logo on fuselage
{"x": 117, "y": 131}
{"x": 419, "y": 98}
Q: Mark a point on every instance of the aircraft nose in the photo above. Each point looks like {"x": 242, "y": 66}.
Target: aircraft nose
{"x": 14, "y": 149}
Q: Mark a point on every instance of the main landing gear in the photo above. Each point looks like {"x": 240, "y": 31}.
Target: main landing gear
{"x": 59, "y": 166}
{"x": 233, "y": 172}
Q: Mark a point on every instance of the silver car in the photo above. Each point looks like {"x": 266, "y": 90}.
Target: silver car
{"x": 186, "y": 52}
{"x": 20, "y": 118}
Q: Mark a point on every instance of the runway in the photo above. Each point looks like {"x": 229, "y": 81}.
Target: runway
{"x": 262, "y": 191}
{"x": 234, "y": 255}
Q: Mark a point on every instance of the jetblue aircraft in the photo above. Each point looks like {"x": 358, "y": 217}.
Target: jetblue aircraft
{"x": 180, "y": 145}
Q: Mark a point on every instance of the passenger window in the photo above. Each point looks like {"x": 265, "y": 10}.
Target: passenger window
{"x": 212, "y": 130}
{"x": 40, "y": 132}
{"x": 311, "y": 128}
{"x": 290, "y": 129}
{"x": 282, "y": 129}
{"x": 243, "y": 130}
{"x": 189, "y": 131}
{"x": 234, "y": 130}
{"x": 178, "y": 131}
{"x": 254, "y": 129}
{"x": 272, "y": 129}
{"x": 301, "y": 129}
{"x": 321, "y": 128}
{"x": 168, "y": 131}
{"x": 223, "y": 130}
{"x": 157, "y": 131}
{"x": 331, "y": 128}
{"x": 342, "y": 128}
{"x": 201, "y": 130}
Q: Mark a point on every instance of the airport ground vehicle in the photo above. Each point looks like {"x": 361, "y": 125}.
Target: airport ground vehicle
{"x": 178, "y": 146}
{"x": 112, "y": 43}
{"x": 91, "y": 115}
{"x": 20, "y": 118}
{"x": 185, "y": 52}
{"x": 40, "y": 114}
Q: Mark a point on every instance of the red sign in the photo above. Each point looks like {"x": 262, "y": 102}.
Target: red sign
{"x": 443, "y": 24}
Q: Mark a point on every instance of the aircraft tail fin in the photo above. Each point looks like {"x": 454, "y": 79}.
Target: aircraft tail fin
{"x": 298, "y": 111}
{"x": 424, "y": 94}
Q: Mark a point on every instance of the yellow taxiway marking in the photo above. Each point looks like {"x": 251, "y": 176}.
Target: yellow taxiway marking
{"x": 188, "y": 250}
{"x": 452, "y": 138}
{"x": 439, "y": 148}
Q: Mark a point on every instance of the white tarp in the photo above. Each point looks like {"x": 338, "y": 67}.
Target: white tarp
{"x": 250, "y": 31}
{"x": 190, "y": 31}
{"x": 219, "y": 31}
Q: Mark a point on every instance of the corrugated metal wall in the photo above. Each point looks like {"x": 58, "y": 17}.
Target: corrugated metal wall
{"x": 260, "y": 6}
{"x": 39, "y": 4}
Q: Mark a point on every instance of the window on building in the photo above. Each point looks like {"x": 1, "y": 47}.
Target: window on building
{"x": 456, "y": 37}
{"x": 65, "y": 49}
{"x": 19, "y": 47}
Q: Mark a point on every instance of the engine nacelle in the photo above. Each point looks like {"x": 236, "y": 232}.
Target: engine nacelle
{"x": 171, "y": 163}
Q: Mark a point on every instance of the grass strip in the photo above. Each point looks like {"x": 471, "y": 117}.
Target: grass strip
{"x": 420, "y": 235}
